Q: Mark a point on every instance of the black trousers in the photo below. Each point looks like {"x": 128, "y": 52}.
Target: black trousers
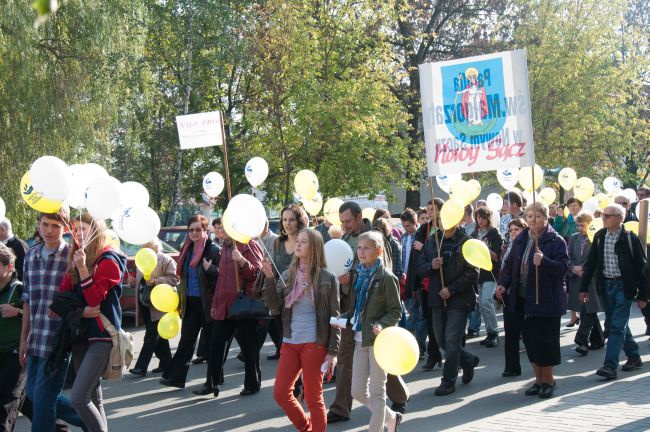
{"x": 646, "y": 315}
{"x": 275, "y": 331}
{"x": 223, "y": 332}
{"x": 203, "y": 348}
{"x": 193, "y": 322}
{"x": 589, "y": 330}
{"x": 152, "y": 344}
{"x": 433, "y": 349}
{"x": 512, "y": 325}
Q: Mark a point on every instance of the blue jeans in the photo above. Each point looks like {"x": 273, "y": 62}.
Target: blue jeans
{"x": 487, "y": 306}
{"x": 617, "y": 310}
{"x": 45, "y": 393}
{"x": 449, "y": 328}
{"x": 416, "y": 322}
{"x": 475, "y": 319}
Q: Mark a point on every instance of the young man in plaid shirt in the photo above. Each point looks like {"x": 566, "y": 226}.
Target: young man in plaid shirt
{"x": 45, "y": 265}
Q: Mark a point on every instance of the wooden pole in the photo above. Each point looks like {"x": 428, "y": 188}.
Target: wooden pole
{"x": 435, "y": 234}
{"x": 535, "y": 240}
{"x": 228, "y": 190}
{"x": 642, "y": 214}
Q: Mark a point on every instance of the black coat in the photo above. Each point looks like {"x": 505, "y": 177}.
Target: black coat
{"x": 19, "y": 248}
{"x": 631, "y": 262}
{"x": 413, "y": 280}
{"x": 72, "y": 328}
{"x": 495, "y": 244}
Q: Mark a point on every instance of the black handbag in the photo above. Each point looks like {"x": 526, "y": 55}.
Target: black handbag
{"x": 245, "y": 307}
{"x": 144, "y": 294}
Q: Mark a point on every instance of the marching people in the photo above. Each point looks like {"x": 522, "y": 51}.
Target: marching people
{"x": 512, "y": 208}
{"x": 163, "y": 273}
{"x": 308, "y": 301}
{"x": 590, "y": 333}
{"x": 616, "y": 261}
{"x": 95, "y": 276}
{"x": 534, "y": 275}
{"x": 197, "y": 270}
{"x": 376, "y": 306}
{"x": 624, "y": 202}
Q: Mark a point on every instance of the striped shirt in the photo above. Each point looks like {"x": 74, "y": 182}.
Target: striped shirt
{"x": 42, "y": 277}
{"x": 610, "y": 260}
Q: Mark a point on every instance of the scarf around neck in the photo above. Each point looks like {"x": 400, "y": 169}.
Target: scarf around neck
{"x": 197, "y": 253}
{"x": 301, "y": 287}
{"x": 361, "y": 285}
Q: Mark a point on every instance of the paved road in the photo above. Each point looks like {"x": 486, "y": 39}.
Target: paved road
{"x": 489, "y": 403}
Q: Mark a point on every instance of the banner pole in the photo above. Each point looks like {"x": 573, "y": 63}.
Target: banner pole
{"x": 535, "y": 237}
{"x": 435, "y": 226}
{"x": 228, "y": 190}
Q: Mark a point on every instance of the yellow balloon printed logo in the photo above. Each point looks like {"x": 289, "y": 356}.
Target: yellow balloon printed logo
{"x": 36, "y": 200}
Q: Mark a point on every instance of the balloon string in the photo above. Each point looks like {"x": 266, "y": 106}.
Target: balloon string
{"x": 271, "y": 259}
{"x": 81, "y": 231}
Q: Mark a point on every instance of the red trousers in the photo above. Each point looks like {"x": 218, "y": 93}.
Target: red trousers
{"x": 308, "y": 358}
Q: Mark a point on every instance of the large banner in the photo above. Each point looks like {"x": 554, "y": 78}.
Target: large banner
{"x": 199, "y": 130}
{"x": 476, "y": 113}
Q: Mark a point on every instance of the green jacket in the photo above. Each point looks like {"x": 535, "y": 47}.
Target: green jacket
{"x": 382, "y": 307}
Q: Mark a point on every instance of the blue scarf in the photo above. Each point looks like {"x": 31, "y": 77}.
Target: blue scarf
{"x": 361, "y": 289}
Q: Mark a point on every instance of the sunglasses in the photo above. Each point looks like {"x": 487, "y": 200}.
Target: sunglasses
{"x": 624, "y": 204}
{"x": 193, "y": 230}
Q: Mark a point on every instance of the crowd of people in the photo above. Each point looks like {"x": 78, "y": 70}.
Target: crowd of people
{"x": 60, "y": 301}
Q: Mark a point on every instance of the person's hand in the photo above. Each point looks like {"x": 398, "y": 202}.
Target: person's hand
{"x": 213, "y": 313}
{"x": 22, "y": 353}
{"x": 537, "y": 258}
{"x": 444, "y": 293}
{"x": 577, "y": 270}
{"x": 584, "y": 297}
{"x": 345, "y": 279}
{"x": 8, "y": 311}
{"x": 91, "y": 312}
{"x": 79, "y": 259}
{"x": 436, "y": 263}
{"x": 238, "y": 257}
{"x": 642, "y": 304}
{"x": 376, "y": 329}
{"x": 501, "y": 290}
{"x": 267, "y": 268}
{"x": 330, "y": 359}
{"x": 150, "y": 283}
{"x": 206, "y": 264}
{"x": 417, "y": 245}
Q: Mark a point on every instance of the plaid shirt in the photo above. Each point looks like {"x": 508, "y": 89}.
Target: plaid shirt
{"x": 42, "y": 280}
{"x": 610, "y": 260}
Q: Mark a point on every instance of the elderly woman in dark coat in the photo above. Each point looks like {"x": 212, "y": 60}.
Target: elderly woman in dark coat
{"x": 534, "y": 273}
{"x": 590, "y": 329}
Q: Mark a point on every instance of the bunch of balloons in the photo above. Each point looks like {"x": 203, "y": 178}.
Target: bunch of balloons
{"x": 165, "y": 298}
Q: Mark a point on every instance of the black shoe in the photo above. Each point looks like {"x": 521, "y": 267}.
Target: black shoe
{"x": 199, "y": 360}
{"x": 275, "y": 356}
{"x": 647, "y": 331}
{"x": 632, "y": 364}
{"x": 247, "y": 392}
{"x": 137, "y": 372}
{"x": 596, "y": 346}
{"x": 398, "y": 421}
{"x": 468, "y": 372}
{"x": 399, "y": 407}
{"x": 471, "y": 334}
{"x": 215, "y": 391}
{"x": 299, "y": 393}
{"x": 547, "y": 390}
{"x": 240, "y": 357}
{"x": 533, "y": 390}
{"x": 169, "y": 383}
{"x": 203, "y": 390}
{"x": 492, "y": 341}
{"x": 572, "y": 324}
{"x": 333, "y": 417}
{"x": 508, "y": 374}
{"x": 431, "y": 363}
{"x": 485, "y": 341}
{"x": 582, "y": 350}
{"x": 159, "y": 369}
{"x": 445, "y": 389}
{"x": 607, "y": 373}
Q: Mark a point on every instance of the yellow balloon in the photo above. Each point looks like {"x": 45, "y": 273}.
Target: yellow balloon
{"x": 593, "y": 228}
{"x": 368, "y": 213}
{"x": 632, "y": 226}
{"x": 475, "y": 187}
{"x": 548, "y": 195}
{"x": 36, "y": 200}
{"x": 331, "y": 210}
{"x": 164, "y": 298}
{"x": 526, "y": 178}
{"x": 567, "y": 178}
{"x": 477, "y": 254}
{"x": 396, "y": 350}
{"x": 169, "y": 325}
{"x": 145, "y": 261}
{"x": 566, "y": 211}
{"x": 451, "y": 213}
{"x": 583, "y": 189}
{"x": 233, "y": 233}
{"x": 603, "y": 200}
{"x": 306, "y": 184}
{"x": 462, "y": 192}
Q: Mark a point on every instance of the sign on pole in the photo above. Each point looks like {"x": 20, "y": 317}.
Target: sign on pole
{"x": 476, "y": 113}
{"x": 199, "y": 130}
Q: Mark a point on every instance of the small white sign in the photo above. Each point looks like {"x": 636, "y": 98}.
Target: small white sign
{"x": 199, "y": 130}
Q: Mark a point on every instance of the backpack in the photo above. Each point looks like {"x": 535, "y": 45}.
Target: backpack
{"x": 121, "y": 354}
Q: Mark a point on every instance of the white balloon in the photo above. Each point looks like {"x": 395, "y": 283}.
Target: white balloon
{"x": 256, "y": 171}
{"x": 51, "y": 176}
{"x": 496, "y": 219}
{"x": 339, "y": 257}
{"x": 103, "y": 197}
{"x": 213, "y": 184}
{"x": 247, "y": 215}
{"x": 137, "y": 225}
{"x": 590, "y": 205}
{"x": 331, "y": 210}
{"x": 3, "y": 208}
{"x": 630, "y": 194}
{"x": 494, "y": 202}
{"x": 612, "y": 184}
{"x": 528, "y": 196}
{"x": 445, "y": 181}
{"x": 508, "y": 177}
{"x": 133, "y": 194}
{"x": 82, "y": 176}
{"x": 314, "y": 205}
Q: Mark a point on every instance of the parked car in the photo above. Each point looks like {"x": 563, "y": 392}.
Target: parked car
{"x": 173, "y": 235}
